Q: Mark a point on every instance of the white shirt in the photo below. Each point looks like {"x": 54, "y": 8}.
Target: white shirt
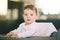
{"x": 34, "y": 29}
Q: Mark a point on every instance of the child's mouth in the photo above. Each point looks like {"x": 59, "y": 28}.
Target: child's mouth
{"x": 28, "y": 19}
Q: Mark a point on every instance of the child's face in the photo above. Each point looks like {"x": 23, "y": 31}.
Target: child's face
{"x": 29, "y": 16}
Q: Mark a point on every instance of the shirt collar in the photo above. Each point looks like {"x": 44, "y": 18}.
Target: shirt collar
{"x": 30, "y": 24}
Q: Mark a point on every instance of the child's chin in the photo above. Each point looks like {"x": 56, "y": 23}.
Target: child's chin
{"x": 29, "y": 22}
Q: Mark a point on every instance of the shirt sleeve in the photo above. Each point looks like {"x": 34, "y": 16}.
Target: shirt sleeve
{"x": 15, "y": 31}
{"x": 50, "y": 29}
{"x": 27, "y": 33}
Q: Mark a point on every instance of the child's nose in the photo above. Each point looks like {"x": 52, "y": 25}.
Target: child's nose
{"x": 28, "y": 16}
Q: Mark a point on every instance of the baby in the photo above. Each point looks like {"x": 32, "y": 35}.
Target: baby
{"x": 29, "y": 27}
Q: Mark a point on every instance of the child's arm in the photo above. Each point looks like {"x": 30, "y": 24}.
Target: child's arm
{"x": 14, "y": 32}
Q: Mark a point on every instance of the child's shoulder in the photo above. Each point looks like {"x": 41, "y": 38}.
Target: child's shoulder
{"x": 22, "y": 24}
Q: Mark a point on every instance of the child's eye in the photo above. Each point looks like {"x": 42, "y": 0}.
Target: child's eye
{"x": 31, "y": 14}
{"x": 25, "y": 14}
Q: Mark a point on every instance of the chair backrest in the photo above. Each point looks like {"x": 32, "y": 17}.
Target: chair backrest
{"x": 56, "y": 35}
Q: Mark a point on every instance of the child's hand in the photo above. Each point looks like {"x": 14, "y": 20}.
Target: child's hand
{"x": 11, "y": 34}
{"x": 14, "y": 36}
